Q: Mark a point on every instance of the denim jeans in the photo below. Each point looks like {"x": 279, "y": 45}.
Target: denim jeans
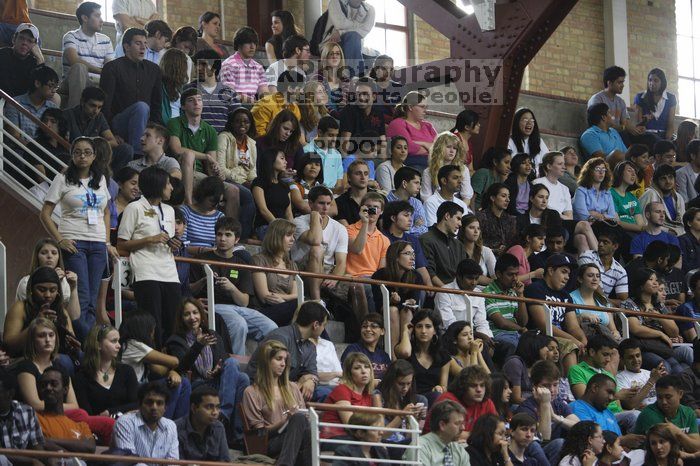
{"x": 121, "y": 156}
{"x": 547, "y": 454}
{"x": 88, "y": 264}
{"x": 179, "y": 404}
{"x": 681, "y": 360}
{"x": 511, "y": 338}
{"x": 247, "y": 212}
{"x": 351, "y": 43}
{"x": 241, "y": 322}
{"x": 131, "y": 123}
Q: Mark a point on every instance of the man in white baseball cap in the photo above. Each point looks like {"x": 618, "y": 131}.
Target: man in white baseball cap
{"x": 22, "y": 58}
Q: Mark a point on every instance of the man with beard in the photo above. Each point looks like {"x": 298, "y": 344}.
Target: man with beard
{"x": 146, "y": 433}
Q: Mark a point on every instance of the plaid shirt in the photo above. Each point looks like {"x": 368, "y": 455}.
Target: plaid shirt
{"x": 20, "y": 428}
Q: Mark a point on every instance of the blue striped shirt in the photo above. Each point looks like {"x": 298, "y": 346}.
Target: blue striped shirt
{"x": 199, "y": 229}
{"x": 95, "y": 50}
{"x": 132, "y": 434}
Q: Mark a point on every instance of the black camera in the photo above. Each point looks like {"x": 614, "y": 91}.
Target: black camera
{"x": 372, "y": 210}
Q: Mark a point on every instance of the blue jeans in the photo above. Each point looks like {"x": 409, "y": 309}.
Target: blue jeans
{"x": 7, "y": 30}
{"x": 179, "y": 404}
{"x": 511, "y": 338}
{"x": 419, "y": 162}
{"x": 88, "y": 264}
{"x": 547, "y": 454}
{"x": 351, "y": 43}
{"x": 681, "y": 360}
{"x": 241, "y": 322}
{"x": 247, "y": 212}
{"x": 131, "y": 123}
{"x": 121, "y": 156}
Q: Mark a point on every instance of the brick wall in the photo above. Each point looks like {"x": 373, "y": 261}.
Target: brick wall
{"x": 428, "y": 43}
{"x": 651, "y": 35}
{"x": 60, "y": 6}
{"x": 571, "y": 62}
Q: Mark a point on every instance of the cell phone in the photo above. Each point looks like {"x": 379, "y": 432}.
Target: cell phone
{"x": 410, "y": 306}
{"x": 419, "y": 405}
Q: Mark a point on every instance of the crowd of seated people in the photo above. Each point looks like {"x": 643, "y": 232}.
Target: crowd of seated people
{"x": 180, "y": 147}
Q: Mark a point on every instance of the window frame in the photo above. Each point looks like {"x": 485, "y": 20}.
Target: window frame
{"x": 694, "y": 99}
{"x": 407, "y": 29}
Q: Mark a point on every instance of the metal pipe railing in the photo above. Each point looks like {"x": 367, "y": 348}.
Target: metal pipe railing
{"x": 386, "y": 315}
{"x": 211, "y": 297}
{"x": 369, "y": 281}
{"x": 107, "y": 458}
{"x": 316, "y": 440}
{"x": 3, "y": 284}
{"x": 6, "y": 97}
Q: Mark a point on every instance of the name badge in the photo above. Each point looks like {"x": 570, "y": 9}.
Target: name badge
{"x": 93, "y": 217}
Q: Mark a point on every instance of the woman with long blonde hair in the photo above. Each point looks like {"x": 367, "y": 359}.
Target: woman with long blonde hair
{"x": 447, "y": 150}
{"x": 173, "y": 69}
{"x": 276, "y": 293}
{"x": 312, "y": 108}
{"x": 334, "y": 76}
{"x": 273, "y": 401}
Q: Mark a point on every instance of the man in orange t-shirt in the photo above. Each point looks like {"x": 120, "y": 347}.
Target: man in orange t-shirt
{"x": 60, "y": 432}
{"x": 367, "y": 245}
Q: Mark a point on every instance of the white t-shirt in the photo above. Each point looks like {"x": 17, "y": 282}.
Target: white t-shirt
{"x": 82, "y": 208}
{"x": 625, "y": 379}
{"x": 466, "y": 192}
{"x": 432, "y": 204}
{"x": 526, "y": 149}
{"x": 21, "y": 294}
{"x": 327, "y": 359}
{"x": 155, "y": 261}
{"x": 133, "y": 355}
{"x": 335, "y": 239}
{"x": 559, "y": 195}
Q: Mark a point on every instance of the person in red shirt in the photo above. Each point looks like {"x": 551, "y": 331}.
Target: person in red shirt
{"x": 470, "y": 389}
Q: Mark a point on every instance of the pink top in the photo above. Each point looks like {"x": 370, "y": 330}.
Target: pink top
{"x": 244, "y": 77}
{"x": 524, "y": 268}
{"x": 401, "y": 127}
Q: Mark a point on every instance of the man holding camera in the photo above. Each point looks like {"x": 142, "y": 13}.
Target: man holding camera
{"x": 367, "y": 245}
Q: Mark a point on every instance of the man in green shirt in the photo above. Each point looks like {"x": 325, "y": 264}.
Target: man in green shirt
{"x": 193, "y": 141}
{"x": 506, "y": 318}
{"x": 668, "y": 410}
{"x": 440, "y": 445}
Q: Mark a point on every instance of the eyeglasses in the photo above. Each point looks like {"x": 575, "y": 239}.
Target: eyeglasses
{"x": 600, "y": 169}
{"x": 51, "y": 85}
{"x": 83, "y": 153}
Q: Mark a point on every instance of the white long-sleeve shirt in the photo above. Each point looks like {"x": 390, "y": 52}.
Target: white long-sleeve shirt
{"x": 359, "y": 20}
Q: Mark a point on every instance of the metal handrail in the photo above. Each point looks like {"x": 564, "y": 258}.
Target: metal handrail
{"x": 3, "y": 284}
{"x": 369, "y": 281}
{"x": 316, "y": 440}
{"x": 108, "y": 458}
{"x": 5, "y": 96}
{"x": 386, "y": 313}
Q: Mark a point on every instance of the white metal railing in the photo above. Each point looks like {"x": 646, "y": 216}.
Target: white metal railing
{"x": 548, "y": 320}
{"x": 3, "y": 283}
{"x": 211, "y": 301}
{"x": 316, "y": 452}
{"x": 386, "y": 313}
{"x": 300, "y": 290}
{"x": 625, "y": 324}
{"x": 117, "y": 287}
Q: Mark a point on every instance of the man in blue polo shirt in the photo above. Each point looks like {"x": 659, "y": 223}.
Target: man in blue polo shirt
{"x": 601, "y": 139}
{"x": 593, "y": 405}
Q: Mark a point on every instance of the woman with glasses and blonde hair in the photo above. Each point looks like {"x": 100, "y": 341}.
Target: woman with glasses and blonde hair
{"x": 410, "y": 123}
{"x": 334, "y": 76}
{"x": 276, "y": 294}
{"x": 271, "y": 405}
{"x": 83, "y": 229}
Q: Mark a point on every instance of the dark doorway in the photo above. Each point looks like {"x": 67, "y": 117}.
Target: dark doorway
{"x": 259, "y": 17}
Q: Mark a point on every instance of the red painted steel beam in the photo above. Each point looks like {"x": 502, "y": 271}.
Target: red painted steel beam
{"x": 522, "y": 28}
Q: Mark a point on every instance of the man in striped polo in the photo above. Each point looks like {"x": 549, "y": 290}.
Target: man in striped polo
{"x": 85, "y": 51}
{"x": 613, "y": 277}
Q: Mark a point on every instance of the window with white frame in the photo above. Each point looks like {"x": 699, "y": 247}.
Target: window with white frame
{"x": 390, "y": 32}
{"x": 107, "y": 9}
{"x": 688, "y": 55}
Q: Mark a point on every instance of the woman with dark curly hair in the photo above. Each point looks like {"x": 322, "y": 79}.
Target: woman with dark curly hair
{"x": 593, "y": 198}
